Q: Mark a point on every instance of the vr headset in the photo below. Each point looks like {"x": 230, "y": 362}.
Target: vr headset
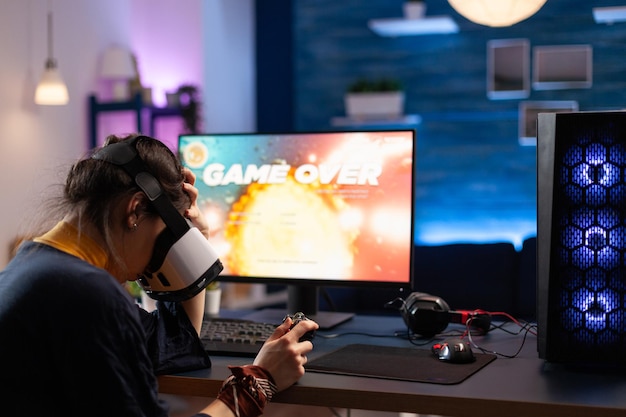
{"x": 183, "y": 262}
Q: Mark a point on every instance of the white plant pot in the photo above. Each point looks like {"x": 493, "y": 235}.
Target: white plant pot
{"x": 373, "y": 105}
{"x": 212, "y": 301}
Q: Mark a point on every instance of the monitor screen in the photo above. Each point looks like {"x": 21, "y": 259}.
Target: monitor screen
{"x": 330, "y": 208}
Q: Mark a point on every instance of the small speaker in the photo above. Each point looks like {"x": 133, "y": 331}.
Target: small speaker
{"x": 581, "y": 237}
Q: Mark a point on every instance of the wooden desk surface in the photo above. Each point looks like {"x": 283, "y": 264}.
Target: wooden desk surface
{"x": 523, "y": 386}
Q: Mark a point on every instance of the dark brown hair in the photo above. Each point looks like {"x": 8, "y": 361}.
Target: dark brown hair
{"x": 94, "y": 186}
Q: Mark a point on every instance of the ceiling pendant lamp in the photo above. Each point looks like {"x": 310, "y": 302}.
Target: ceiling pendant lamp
{"x": 496, "y": 13}
{"x": 51, "y": 90}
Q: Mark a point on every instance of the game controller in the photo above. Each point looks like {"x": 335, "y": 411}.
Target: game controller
{"x": 297, "y": 318}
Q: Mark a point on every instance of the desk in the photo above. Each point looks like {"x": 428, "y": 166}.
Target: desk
{"x": 520, "y": 387}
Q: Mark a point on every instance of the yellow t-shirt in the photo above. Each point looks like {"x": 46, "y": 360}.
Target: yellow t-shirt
{"x": 65, "y": 237}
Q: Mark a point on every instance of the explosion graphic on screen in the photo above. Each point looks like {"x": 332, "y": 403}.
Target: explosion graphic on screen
{"x": 300, "y": 227}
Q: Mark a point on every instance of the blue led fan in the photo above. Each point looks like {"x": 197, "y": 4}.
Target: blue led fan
{"x": 582, "y": 247}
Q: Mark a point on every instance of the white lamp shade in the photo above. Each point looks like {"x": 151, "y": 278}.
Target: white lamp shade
{"x": 117, "y": 63}
{"x": 51, "y": 90}
{"x": 497, "y": 13}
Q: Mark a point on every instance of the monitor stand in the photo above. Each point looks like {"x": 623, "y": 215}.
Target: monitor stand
{"x": 301, "y": 298}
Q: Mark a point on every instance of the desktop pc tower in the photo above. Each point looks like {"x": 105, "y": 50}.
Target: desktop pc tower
{"x": 581, "y": 237}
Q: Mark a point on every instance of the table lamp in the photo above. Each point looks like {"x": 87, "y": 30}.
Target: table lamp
{"x": 118, "y": 67}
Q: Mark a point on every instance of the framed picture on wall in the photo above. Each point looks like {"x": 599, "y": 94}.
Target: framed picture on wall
{"x": 562, "y": 66}
{"x": 508, "y": 68}
{"x": 528, "y": 111}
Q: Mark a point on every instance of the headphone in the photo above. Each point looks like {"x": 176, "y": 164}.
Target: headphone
{"x": 183, "y": 262}
{"x": 428, "y": 315}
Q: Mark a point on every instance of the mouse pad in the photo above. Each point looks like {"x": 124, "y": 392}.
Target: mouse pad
{"x": 407, "y": 364}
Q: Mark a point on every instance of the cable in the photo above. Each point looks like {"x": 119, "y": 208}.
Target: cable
{"x": 470, "y": 330}
{"x": 413, "y": 336}
{"x": 522, "y": 324}
{"x": 524, "y": 328}
{"x": 484, "y": 350}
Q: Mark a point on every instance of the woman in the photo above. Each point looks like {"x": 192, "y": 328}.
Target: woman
{"x": 73, "y": 342}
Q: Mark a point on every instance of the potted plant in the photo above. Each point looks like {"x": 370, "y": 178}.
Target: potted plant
{"x": 382, "y": 98}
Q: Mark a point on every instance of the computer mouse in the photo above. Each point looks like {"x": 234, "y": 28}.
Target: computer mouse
{"x": 454, "y": 351}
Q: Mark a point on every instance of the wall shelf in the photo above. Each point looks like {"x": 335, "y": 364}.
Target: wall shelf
{"x": 408, "y": 27}
{"x": 135, "y": 105}
{"x": 609, "y": 15}
{"x": 402, "y": 120}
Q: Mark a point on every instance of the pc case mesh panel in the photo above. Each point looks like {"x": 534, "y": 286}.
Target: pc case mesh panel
{"x": 587, "y": 285}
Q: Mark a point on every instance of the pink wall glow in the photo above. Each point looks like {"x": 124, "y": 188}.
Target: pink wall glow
{"x": 167, "y": 40}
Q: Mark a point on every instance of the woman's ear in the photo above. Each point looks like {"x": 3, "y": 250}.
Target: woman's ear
{"x": 135, "y": 210}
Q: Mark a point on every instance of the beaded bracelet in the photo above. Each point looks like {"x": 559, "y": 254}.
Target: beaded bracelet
{"x": 247, "y": 390}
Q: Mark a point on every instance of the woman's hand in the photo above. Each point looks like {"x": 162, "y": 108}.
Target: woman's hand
{"x": 283, "y": 355}
{"x": 194, "y": 213}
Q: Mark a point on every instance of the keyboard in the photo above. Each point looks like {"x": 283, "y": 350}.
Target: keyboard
{"x": 234, "y": 337}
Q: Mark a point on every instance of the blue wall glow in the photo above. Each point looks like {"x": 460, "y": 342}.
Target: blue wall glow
{"x": 474, "y": 182}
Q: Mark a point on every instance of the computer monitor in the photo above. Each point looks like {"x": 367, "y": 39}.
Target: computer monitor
{"x": 308, "y": 209}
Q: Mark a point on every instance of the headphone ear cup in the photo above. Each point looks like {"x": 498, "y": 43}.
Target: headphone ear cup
{"x": 425, "y": 314}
